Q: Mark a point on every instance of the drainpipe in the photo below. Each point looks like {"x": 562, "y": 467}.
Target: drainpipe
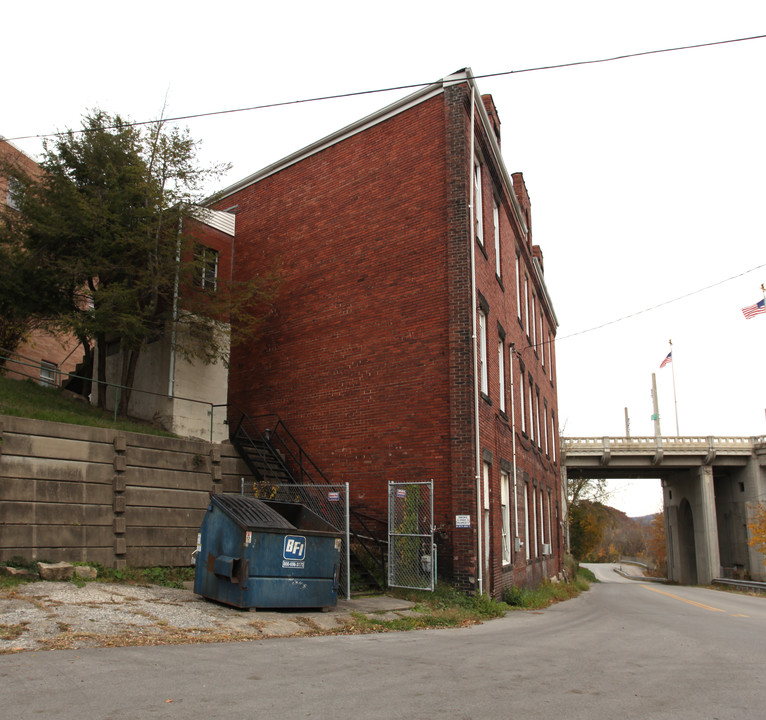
{"x": 472, "y": 240}
{"x": 172, "y": 367}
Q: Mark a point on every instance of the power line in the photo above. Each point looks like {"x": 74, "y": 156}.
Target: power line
{"x": 401, "y": 87}
{"x": 662, "y": 304}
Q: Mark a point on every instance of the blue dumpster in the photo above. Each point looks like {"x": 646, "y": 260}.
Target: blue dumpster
{"x": 263, "y": 554}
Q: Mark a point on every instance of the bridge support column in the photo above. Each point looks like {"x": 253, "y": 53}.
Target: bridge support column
{"x": 706, "y": 528}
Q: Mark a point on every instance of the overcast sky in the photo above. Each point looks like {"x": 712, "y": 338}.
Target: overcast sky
{"x": 646, "y": 174}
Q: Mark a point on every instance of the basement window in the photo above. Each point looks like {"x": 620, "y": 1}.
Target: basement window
{"x": 47, "y": 373}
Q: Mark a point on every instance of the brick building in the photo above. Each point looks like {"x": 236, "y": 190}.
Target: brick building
{"x": 414, "y": 336}
{"x": 185, "y": 395}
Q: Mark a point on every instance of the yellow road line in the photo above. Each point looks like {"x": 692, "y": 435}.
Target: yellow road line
{"x": 678, "y": 597}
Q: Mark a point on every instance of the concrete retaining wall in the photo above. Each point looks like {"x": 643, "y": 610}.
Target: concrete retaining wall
{"x": 70, "y": 492}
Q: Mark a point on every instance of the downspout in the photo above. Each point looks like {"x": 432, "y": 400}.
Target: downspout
{"x": 172, "y": 367}
{"x": 513, "y": 434}
{"x": 472, "y": 184}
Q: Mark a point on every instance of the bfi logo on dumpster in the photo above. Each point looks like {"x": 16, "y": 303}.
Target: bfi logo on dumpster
{"x": 294, "y": 552}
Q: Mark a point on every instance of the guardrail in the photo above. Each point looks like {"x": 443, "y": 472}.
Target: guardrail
{"x": 744, "y": 584}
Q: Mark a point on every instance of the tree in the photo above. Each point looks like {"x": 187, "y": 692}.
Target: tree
{"x": 103, "y": 252}
{"x": 579, "y": 490}
{"x": 657, "y": 545}
{"x": 587, "y": 523}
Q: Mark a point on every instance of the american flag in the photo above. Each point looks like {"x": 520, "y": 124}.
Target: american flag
{"x": 752, "y": 310}
{"x": 668, "y": 358}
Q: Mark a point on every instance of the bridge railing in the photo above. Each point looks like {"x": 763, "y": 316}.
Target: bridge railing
{"x": 683, "y": 444}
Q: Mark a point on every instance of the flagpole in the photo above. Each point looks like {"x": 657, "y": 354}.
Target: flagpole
{"x": 673, "y": 372}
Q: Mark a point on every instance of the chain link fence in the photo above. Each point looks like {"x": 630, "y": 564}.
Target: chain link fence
{"x": 330, "y": 502}
{"x": 411, "y": 549}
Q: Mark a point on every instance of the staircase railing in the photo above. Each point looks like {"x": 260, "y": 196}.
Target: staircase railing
{"x": 276, "y": 448}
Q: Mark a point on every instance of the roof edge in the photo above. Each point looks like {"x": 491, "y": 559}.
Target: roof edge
{"x": 415, "y": 98}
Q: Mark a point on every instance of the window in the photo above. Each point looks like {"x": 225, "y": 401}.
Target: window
{"x": 545, "y": 426}
{"x": 526, "y": 520}
{"x": 496, "y": 223}
{"x": 550, "y": 527}
{"x": 553, "y": 436}
{"x": 518, "y": 287}
{"x": 534, "y": 522}
{"x": 526, "y": 303}
{"x": 550, "y": 356}
{"x": 505, "y": 510}
{"x": 47, "y": 373}
{"x": 483, "y": 352}
{"x": 501, "y": 373}
{"x": 206, "y": 269}
{"x": 478, "y": 206}
{"x": 486, "y": 515}
{"x": 14, "y": 190}
{"x": 537, "y": 419}
{"x": 531, "y": 409}
{"x": 534, "y": 323}
{"x": 522, "y": 394}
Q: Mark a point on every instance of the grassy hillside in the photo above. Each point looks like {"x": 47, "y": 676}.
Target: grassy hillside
{"x": 26, "y": 398}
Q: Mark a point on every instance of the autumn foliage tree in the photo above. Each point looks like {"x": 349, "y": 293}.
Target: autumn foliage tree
{"x": 657, "y": 544}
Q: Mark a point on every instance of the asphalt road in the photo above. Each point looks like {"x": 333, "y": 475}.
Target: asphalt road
{"x": 622, "y": 650}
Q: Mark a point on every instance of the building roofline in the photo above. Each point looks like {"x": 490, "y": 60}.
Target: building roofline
{"x": 465, "y": 75}
{"x": 415, "y": 98}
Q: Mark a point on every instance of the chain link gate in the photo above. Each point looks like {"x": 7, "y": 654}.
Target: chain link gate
{"x": 411, "y": 549}
{"x": 330, "y": 502}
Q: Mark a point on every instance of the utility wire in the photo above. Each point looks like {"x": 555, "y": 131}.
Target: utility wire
{"x": 399, "y": 87}
{"x": 662, "y": 304}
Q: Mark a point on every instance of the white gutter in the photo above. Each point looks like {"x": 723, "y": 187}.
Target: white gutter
{"x": 472, "y": 240}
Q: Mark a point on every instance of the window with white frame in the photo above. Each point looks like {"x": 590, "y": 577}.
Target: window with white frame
{"x": 534, "y": 323}
{"x": 553, "y": 436}
{"x": 505, "y": 511}
{"x": 518, "y": 287}
{"x": 537, "y": 419}
{"x": 526, "y": 521}
{"x": 522, "y": 397}
{"x": 478, "y": 206}
{"x": 501, "y": 372}
{"x": 534, "y": 522}
{"x": 206, "y": 268}
{"x": 531, "y": 408}
{"x": 550, "y": 526}
{"x": 47, "y": 373}
{"x": 545, "y": 427}
{"x": 13, "y": 193}
{"x": 542, "y": 519}
{"x": 496, "y": 223}
{"x": 526, "y": 303}
{"x": 483, "y": 352}
{"x": 550, "y": 356}
{"x": 486, "y": 515}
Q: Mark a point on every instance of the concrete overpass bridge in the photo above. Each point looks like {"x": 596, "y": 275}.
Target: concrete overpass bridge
{"x": 708, "y": 485}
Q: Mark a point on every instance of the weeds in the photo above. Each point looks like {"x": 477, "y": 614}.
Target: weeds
{"x": 548, "y": 593}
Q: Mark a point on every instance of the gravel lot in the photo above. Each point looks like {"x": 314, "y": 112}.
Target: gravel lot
{"x": 61, "y": 615}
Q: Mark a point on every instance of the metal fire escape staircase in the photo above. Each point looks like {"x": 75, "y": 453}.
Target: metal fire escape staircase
{"x": 274, "y": 456}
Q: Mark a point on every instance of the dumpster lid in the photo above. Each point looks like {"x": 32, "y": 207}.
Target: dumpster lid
{"x": 250, "y": 512}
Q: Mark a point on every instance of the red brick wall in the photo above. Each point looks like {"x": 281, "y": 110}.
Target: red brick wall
{"x": 368, "y": 356}
{"x": 355, "y": 358}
